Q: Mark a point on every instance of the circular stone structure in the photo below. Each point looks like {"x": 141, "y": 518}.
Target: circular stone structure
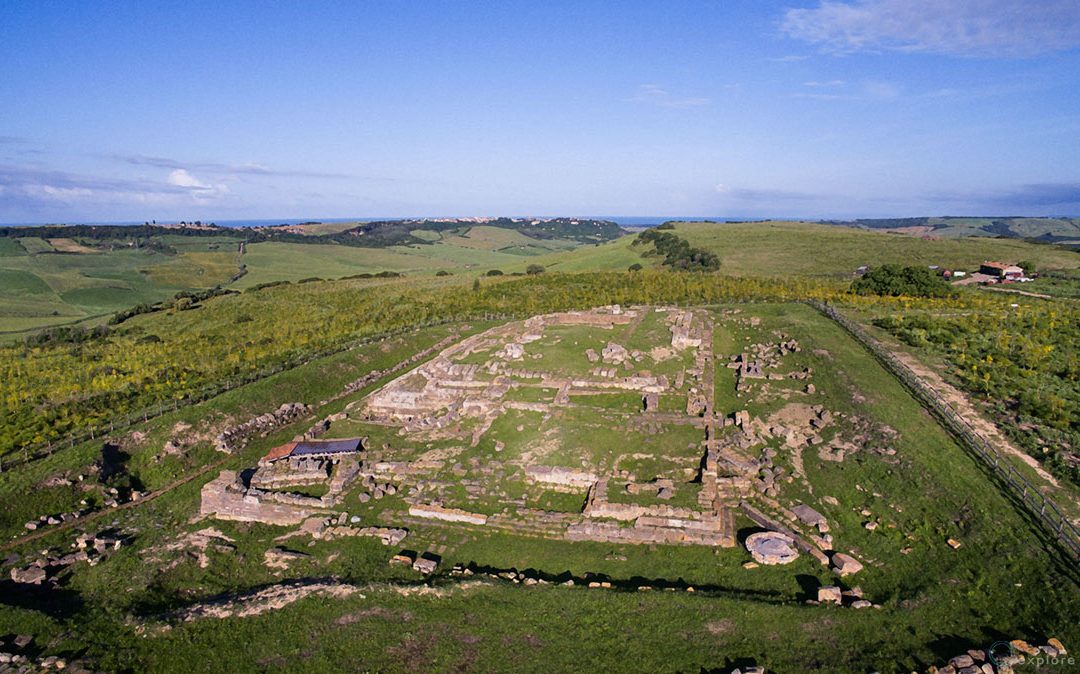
{"x": 770, "y": 547}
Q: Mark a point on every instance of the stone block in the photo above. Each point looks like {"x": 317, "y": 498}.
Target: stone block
{"x": 829, "y": 594}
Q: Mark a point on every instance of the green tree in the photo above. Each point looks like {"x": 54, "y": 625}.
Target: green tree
{"x": 894, "y": 281}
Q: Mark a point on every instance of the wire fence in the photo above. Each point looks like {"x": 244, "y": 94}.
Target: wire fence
{"x": 1041, "y": 507}
{"x": 30, "y": 453}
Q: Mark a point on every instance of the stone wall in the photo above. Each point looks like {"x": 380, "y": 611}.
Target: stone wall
{"x": 718, "y": 531}
{"x": 225, "y": 498}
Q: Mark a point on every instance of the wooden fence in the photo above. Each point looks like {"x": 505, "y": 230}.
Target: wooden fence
{"x": 1042, "y": 508}
{"x": 29, "y": 453}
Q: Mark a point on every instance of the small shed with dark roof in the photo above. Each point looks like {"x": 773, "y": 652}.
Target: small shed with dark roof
{"x": 314, "y": 449}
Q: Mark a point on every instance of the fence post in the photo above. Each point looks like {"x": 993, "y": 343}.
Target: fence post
{"x": 965, "y": 432}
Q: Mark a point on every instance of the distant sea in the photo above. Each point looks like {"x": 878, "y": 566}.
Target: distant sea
{"x": 624, "y": 220}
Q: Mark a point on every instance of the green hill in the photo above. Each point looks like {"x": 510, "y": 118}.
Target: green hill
{"x": 804, "y": 249}
{"x": 63, "y": 274}
{"x": 1047, "y": 230}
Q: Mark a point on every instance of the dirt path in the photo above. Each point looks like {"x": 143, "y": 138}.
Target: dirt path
{"x": 962, "y": 404}
{"x": 991, "y": 433}
{"x": 1025, "y": 293}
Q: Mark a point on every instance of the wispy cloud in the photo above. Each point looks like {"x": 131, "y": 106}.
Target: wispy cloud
{"x": 652, "y": 94}
{"x": 35, "y": 187}
{"x": 837, "y": 90}
{"x": 1024, "y": 199}
{"x": 218, "y": 167}
{"x": 790, "y": 58}
{"x": 766, "y": 195}
{"x": 982, "y": 28}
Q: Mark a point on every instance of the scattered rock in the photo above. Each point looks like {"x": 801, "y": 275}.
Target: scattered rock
{"x": 426, "y": 564}
{"x": 31, "y": 575}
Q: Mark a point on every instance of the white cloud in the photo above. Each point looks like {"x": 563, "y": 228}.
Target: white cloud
{"x": 653, "y": 94}
{"x": 28, "y": 189}
{"x": 181, "y": 178}
{"x": 822, "y": 85}
{"x": 198, "y": 190}
{"x": 988, "y": 28}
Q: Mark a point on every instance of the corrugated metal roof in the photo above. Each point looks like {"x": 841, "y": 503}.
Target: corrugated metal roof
{"x": 342, "y": 446}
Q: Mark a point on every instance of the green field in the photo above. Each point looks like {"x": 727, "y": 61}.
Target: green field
{"x": 42, "y": 286}
{"x": 804, "y": 249}
{"x": 1057, "y": 229}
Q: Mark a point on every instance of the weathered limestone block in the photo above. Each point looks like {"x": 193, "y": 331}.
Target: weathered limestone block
{"x": 614, "y": 353}
{"x": 435, "y": 512}
{"x": 845, "y": 565}
{"x": 808, "y": 515}
{"x": 829, "y": 594}
{"x": 559, "y": 476}
{"x": 386, "y": 535}
{"x": 425, "y": 565}
{"x": 31, "y": 575}
{"x": 648, "y": 532}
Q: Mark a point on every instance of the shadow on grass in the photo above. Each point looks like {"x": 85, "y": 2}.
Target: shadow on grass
{"x": 632, "y": 584}
{"x": 55, "y": 602}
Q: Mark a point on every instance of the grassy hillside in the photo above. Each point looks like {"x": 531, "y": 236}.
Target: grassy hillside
{"x": 49, "y": 287}
{"x": 1060, "y": 230}
{"x": 803, "y": 249}
{"x": 58, "y": 281}
{"x": 41, "y": 286}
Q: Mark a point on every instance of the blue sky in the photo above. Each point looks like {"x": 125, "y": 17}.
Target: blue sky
{"x": 757, "y": 108}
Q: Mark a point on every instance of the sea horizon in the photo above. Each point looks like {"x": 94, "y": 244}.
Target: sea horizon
{"x": 629, "y": 221}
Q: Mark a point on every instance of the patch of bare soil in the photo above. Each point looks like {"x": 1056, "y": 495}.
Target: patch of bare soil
{"x": 795, "y": 417}
{"x": 718, "y": 627}
{"x": 375, "y": 612}
{"x": 414, "y": 652}
{"x": 194, "y": 544}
